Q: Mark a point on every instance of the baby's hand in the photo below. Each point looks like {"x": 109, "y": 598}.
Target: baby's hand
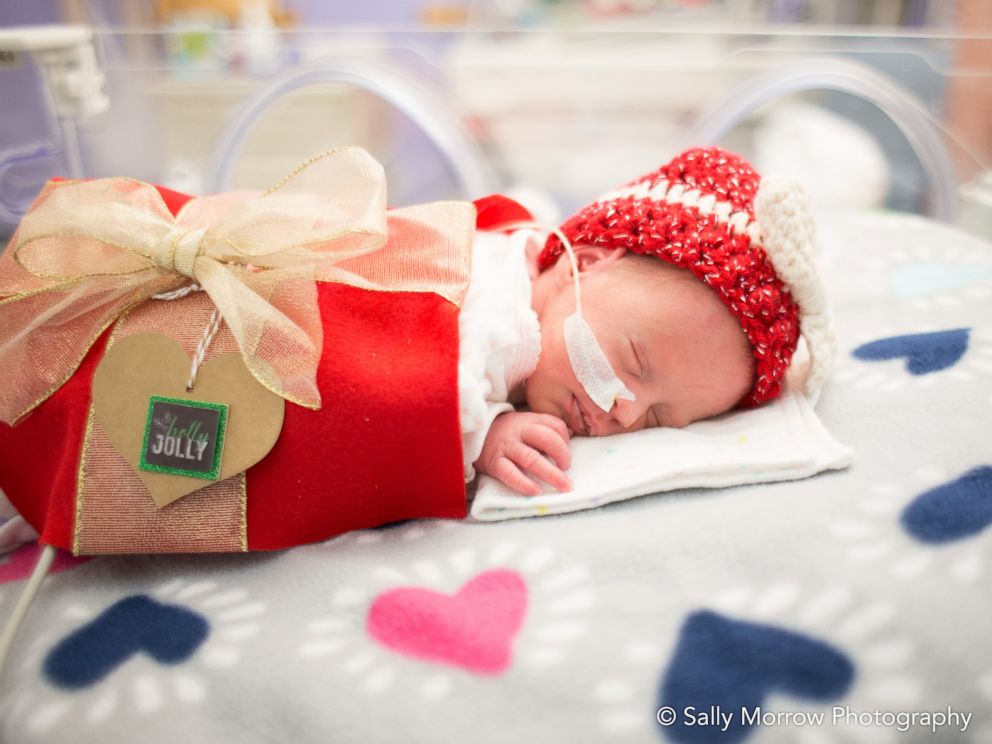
{"x": 516, "y": 447}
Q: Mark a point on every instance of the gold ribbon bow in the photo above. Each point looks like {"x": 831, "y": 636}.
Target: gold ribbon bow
{"x": 89, "y": 250}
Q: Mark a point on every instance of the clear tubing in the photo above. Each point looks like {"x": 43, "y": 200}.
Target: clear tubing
{"x": 70, "y": 146}
{"x": 589, "y": 362}
{"x": 41, "y": 570}
{"x": 462, "y": 154}
{"x": 12, "y": 201}
{"x": 921, "y": 130}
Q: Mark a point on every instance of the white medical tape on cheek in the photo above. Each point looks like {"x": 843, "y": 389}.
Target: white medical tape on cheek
{"x": 591, "y": 367}
{"x": 589, "y": 362}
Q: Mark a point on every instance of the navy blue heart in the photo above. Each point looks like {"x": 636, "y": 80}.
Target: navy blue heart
{"x": 169, "y": 634}
{"x": 952, "y": 511}
{"x": 924, "y": 352}
{"x": 734, "y": 664}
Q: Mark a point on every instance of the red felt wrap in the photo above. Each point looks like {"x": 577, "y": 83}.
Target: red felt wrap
{"x": 385, "y": 446}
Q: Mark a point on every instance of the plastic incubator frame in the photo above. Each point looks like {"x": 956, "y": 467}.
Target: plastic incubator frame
{"x": 463, "y": 113}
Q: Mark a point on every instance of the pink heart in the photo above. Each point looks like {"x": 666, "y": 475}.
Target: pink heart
{"x": 472, "y": 629}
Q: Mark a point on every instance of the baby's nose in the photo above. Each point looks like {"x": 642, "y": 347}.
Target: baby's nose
{"x": 603, "y": 422}
{"x": 626, "y": 413}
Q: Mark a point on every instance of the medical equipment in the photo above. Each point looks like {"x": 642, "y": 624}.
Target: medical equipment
{"x": 71, "y": 91}
{"x": 561, "y": 111}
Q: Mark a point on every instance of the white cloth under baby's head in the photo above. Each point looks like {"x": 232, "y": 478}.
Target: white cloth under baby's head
{"x": 783, "y": 440}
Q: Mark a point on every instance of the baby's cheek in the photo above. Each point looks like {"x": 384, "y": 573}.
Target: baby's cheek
{"x": 538, "y": 399}
{"x": 535, "y": 400}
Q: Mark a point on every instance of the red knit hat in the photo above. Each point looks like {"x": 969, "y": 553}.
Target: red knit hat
{"x": 750, "y": 239}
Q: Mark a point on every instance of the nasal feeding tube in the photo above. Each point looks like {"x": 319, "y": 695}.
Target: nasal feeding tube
{"x": 589, "y": 362}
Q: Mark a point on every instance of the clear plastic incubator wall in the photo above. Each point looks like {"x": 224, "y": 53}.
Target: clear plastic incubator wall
{"x": 869, "y": 117}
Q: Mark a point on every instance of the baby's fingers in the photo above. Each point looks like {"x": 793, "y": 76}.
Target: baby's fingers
{"x": 512, "y": 476}
{"x": 533, "y": 462}
{"x": 551, "y": 443}
{"x": 556, "y": 424}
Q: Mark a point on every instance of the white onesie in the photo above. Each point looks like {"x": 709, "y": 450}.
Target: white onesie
{"x": 499, "y": 336}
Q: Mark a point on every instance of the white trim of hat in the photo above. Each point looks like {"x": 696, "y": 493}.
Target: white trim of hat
{"x": 739, "y": 220}
{"x": 785, "y": 214}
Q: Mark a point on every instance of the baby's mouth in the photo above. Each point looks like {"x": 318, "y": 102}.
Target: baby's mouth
{"x": 579, "y": 421}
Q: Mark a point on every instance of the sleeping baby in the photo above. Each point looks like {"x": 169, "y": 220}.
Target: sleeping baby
{"x": 676, "y": 298}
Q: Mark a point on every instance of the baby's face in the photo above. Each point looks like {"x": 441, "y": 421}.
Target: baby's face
{"x": 668, "y": 337}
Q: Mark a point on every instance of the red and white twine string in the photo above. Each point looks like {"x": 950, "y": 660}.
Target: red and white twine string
{"x": 213, "y": 325}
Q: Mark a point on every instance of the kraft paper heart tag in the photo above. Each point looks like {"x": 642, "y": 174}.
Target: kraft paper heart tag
{"x": 179, "y": 441}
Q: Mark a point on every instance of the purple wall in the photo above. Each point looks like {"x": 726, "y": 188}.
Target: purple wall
{"x": 28, "y": 12}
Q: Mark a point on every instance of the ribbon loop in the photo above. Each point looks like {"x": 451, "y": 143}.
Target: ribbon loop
{"x": 182, "y": 251}
{"x": 88, "y": 250}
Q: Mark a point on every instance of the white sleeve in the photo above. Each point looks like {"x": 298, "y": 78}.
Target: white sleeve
{"x": 477, "y": 415}
{"x": 499, "y": 337}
